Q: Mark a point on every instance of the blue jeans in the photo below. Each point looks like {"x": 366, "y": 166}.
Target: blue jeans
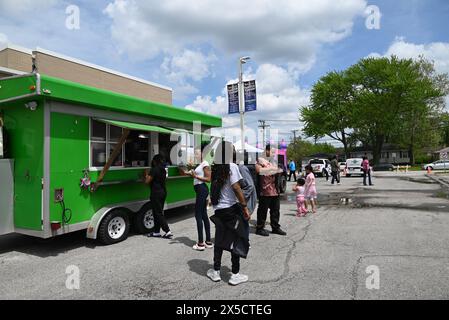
{"x": 202, "y": 192}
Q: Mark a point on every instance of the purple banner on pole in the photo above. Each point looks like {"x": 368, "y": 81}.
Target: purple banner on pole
{"x": 250, "y": 96}
{"x": 233, "y": 96}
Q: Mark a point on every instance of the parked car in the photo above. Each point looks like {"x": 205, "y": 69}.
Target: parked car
{"x": 384, "y": 167}
{"x": 437, "y": 165}
{"x": 342, "y": 166}
{"x": 320, "y": 166}
{"x": 354, "y": 167}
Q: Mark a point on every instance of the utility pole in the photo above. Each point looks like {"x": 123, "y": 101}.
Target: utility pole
{"x": 242, "y": 61}
{"x": 294, "y": 134}
{"x": 263, "y": 125}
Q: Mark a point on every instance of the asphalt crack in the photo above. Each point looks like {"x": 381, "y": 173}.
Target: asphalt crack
{"x": 293, "y": 245}
{"x": 354, "y": 275}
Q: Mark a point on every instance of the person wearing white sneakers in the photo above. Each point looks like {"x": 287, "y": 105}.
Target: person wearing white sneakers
{"x": 230, "y": 210}
{"x": 201, "y": 175}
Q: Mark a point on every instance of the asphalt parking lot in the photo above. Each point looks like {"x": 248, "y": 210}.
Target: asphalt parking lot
{"x": 398, "y": 228}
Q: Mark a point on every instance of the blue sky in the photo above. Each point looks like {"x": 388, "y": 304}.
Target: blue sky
{"x": 193, "y": 46}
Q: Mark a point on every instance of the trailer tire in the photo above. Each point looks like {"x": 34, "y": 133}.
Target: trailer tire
{"x": 114, "y": 228}
{"x": 144, "y": 220}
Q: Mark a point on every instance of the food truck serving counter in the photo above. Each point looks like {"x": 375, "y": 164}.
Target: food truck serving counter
{"x": 79, "y": 154}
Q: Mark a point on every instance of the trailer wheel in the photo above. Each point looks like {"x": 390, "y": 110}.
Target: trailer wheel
{"x": 144, "y": 220}
{"x": 114, "y": 228}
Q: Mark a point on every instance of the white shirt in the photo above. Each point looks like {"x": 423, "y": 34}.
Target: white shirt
{"x": 199, "y": 171}
{"x": 227, "y": 195}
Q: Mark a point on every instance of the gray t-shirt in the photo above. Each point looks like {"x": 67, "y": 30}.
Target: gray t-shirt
{"x": 227, "y": 196}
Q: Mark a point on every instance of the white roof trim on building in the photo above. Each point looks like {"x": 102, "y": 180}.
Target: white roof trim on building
{"x": 11, "y": 71}
{"x": 94, "y": 66}
{"x": 16, "y": 48}
{"x": 84, "y": 63}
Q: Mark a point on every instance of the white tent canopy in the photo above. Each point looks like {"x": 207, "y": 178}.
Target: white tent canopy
{"x": 248, "y": 147}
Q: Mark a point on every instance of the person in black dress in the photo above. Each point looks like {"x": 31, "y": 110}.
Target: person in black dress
{"x": 156, "y": 179}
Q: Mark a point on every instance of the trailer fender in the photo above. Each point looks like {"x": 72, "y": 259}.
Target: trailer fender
{"x": 94, "y": 224}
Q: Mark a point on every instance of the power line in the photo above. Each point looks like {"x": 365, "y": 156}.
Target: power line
{"x": 280, "y": 121}
{"x": 263, "y": 125}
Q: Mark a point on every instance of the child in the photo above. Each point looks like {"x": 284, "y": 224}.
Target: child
{"x": 300, "y": 198}
{"x": 310, "y": 188}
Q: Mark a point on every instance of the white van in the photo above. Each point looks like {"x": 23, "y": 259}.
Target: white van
{"x": 354, "y": 167}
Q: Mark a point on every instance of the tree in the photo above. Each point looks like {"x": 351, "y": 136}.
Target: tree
{"x": 395, "y": 99}
{"x": 445, "y": 130}
{"x": 379, "y": 100}
{"x": 330, "y": 113}
{"x": 300, "y": 149}
{"x": 425, "y": 102}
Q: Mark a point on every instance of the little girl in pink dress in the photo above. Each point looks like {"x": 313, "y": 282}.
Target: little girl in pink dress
{"x": 300, "y": 198}
{"x": 310, "y": 188}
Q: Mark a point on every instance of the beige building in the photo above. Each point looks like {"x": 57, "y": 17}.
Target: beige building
{"x": 16, "y": 60}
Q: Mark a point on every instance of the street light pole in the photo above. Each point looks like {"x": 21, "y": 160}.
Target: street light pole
{"x": 242, "y": 61}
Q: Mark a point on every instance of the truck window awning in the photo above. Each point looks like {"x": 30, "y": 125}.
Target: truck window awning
{"x": 136, "y": 126}
{"x": 196, "y": 133}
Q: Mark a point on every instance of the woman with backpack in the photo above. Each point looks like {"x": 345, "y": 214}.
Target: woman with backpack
{"x": 230, "y": 211}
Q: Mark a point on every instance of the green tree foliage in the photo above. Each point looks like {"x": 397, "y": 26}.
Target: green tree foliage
{"x": 445, "y": 130}
{"x": 379, "y": 100}
{"x": 331, "y": 112}
{"x": 301, "y": 149}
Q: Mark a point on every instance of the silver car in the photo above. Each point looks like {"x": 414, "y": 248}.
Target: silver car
{"x": 437, "y": 165}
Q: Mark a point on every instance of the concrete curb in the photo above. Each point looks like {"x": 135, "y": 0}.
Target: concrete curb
{"x": 440, "y": 181}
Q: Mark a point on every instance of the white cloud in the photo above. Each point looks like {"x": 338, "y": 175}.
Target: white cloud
{"x": 436, "y": 51}
{"x": 186, "y": 67}
{"x": 206, "y": 104}
{"x": 278, "y": 98}
{"x": 283, "y": 30}
{"x": 189, "y": 64}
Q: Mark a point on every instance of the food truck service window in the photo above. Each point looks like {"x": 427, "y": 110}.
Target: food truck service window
{"x": 137, "y": 149}
{"x": 103, "y": 139}
{"x": 142, "y": 143}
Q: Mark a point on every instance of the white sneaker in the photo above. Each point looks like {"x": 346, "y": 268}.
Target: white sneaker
{"x": 237, "y": 279}
{"x": 168, "y": 235}
{"x": 213, "y": 275}
{"x": 197, "y": 247}
{"x": 209, "y": 246}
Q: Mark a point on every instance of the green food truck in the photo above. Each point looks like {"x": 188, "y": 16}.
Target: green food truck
{"x": 72, "y": 157}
